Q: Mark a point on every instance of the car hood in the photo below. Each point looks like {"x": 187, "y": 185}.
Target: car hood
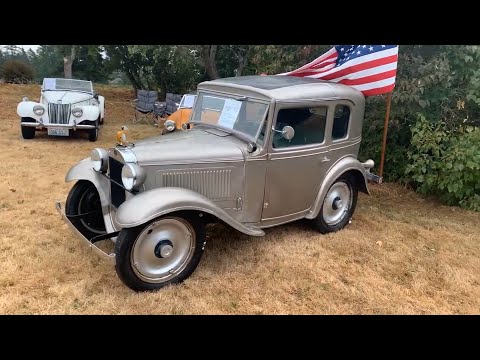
{"x": 191, "y": 146}
{"x": 67, "y": 97}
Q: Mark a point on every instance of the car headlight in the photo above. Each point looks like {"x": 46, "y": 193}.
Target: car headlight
{"x": 100, "y": 159}
{"x": 169, "y": 125}
{"x": 133, "y": 176}
{"x": 77, "y": 112}
{"x": 38, "y": 109}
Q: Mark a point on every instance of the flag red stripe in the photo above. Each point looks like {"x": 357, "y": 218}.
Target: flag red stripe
{"x": 314, "y": 63}
{"x": 371, "y": 78}
{"x": 378, "y": 91}
{"x": 362, "y": 66}
{"x": 351, "y": 69}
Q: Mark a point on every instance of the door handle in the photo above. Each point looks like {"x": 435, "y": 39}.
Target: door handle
{"x": 325, "y": 159}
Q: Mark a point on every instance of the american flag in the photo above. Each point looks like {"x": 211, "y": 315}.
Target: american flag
{"x": 369, "y": 68}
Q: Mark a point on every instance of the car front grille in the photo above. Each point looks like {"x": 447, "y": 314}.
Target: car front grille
{"x": 59, "y": 113}
{"x": 117, "y": 192}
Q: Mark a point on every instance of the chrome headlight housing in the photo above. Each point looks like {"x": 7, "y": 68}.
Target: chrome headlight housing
{"x": 77, "y": 112}
{"x": 133, "y": 176}
{"x": 38, "y": 110}
{"x": 100, "y": 159}
{"x": 169, "y": 125}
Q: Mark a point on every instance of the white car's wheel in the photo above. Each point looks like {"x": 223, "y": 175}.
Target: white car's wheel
{"x": 93, "y": 133}
{"x": 27, "y": 131}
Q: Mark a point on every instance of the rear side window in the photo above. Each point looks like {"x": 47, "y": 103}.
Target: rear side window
{"x": 341, "y": 120}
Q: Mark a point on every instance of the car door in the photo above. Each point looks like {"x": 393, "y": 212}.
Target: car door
{"x": 296, "y": 167}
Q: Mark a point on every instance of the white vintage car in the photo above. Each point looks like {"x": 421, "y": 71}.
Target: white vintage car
{"x": 65, "y": 104}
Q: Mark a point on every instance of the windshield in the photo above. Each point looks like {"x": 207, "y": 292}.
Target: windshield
{"x": 67, "y": 84}
{"x": 245, "y": 116}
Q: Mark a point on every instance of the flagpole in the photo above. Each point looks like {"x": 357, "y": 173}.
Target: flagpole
{"x": 385, "y": 130}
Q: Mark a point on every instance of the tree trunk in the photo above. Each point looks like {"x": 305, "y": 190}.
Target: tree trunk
{"x": 68, "y": 62}
{"x": 209, "y": 53}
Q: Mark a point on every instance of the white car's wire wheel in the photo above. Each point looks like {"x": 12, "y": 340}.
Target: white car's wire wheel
{"x": 164, "y": 251}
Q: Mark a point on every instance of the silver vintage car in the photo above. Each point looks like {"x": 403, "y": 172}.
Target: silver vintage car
{"x": 259, "y": 151}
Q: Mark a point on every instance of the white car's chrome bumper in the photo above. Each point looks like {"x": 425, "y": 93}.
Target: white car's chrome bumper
{"x": 110, "y": 257}
{"x": 68, "y": 126}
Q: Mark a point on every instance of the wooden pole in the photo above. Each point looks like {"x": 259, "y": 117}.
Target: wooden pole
{"x": 385, "y": 130}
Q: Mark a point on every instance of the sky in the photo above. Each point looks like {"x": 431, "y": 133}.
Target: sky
{"x": 26, "y": 47}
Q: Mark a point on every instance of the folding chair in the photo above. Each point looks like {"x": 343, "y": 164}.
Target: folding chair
{"x": 147, "y": 107}
{"x": 172, "y": 102}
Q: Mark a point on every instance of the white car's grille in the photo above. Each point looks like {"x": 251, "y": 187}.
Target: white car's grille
{"x": 59, "y": 113}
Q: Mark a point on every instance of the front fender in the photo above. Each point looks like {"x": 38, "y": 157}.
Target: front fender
{"x": 340, "y": 167}
{"x": 25, "y": 109}
{"x": 90, "y": 112}
{"x": 101, "y": 101}
{"x": 157, "y": 202}
{"x": 83, "y": 170}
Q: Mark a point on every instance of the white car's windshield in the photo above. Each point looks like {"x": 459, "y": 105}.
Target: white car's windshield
{"x": 245, "y": 115}
{"x": 67, "y": 84}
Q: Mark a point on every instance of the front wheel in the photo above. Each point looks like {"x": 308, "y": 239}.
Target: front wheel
{"x": 83, "y": 199}
{"x": 93, "y": 133}
{"x": 338, "y": 206}
{"x": 163, "y": 251}
{"x": 27, "y": 131}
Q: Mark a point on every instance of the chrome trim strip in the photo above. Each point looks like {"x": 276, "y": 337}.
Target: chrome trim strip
{"x": 110, "y": 257}
{"x": 41, "y": 125}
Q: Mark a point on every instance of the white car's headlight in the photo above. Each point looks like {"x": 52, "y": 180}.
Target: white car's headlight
{"x": 133, "y": 176}
{"x": 77, "y": 112}
{"x": 38, "y": 109}
{"x": 100, "y": 159}
{"x": 169, "y": 125}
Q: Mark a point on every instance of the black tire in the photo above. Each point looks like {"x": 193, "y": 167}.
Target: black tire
{"x": 93, "y": 133}
{"x": 324, "y": 222}
{"x": 27, "y": 131}
{"x": 127, "y": 240}
{"x": 83, "y": 198}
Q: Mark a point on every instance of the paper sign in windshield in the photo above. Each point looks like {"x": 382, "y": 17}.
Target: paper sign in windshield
{"x": 229, "y": 114}
{"x": 49, "y": 84}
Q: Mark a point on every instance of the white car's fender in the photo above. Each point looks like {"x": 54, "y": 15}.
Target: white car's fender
{"x": 25, "y": 109}
{"x": 90, "y": 112}
{"x": 101, "y": 105}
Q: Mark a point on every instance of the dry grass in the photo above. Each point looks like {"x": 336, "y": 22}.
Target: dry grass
{"x": 401, "y": 254}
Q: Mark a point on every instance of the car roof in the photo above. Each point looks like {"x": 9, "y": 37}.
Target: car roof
{"x": 284, "y": 87}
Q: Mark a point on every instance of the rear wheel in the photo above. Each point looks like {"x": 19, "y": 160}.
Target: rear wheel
{"x": 338, "y": 206}
{"x": 84, "y": 199}
{"x": 163, "y": 251}
{"x": 27, "y": 131}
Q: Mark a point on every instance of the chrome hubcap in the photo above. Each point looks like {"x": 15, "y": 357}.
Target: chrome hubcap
{"x": 163, "y": 249}
{"x": 337, "y": 203}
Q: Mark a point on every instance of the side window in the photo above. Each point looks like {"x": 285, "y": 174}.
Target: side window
{"x": 308, "y": 123}
{"x": 341, "y": 119}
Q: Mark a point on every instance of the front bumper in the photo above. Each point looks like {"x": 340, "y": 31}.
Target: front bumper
{"x": 110, "y": 257}
{"x": 42, "y": 125}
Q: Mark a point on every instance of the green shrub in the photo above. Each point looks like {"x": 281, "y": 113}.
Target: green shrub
{"x": 445, "y": 162}
{"x": 16, "y": 72}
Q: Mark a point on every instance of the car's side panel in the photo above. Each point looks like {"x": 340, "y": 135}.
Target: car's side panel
{"x": 151, "y": 204}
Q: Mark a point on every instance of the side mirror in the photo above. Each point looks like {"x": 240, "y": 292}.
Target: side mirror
{"x": 288, "y": 132}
